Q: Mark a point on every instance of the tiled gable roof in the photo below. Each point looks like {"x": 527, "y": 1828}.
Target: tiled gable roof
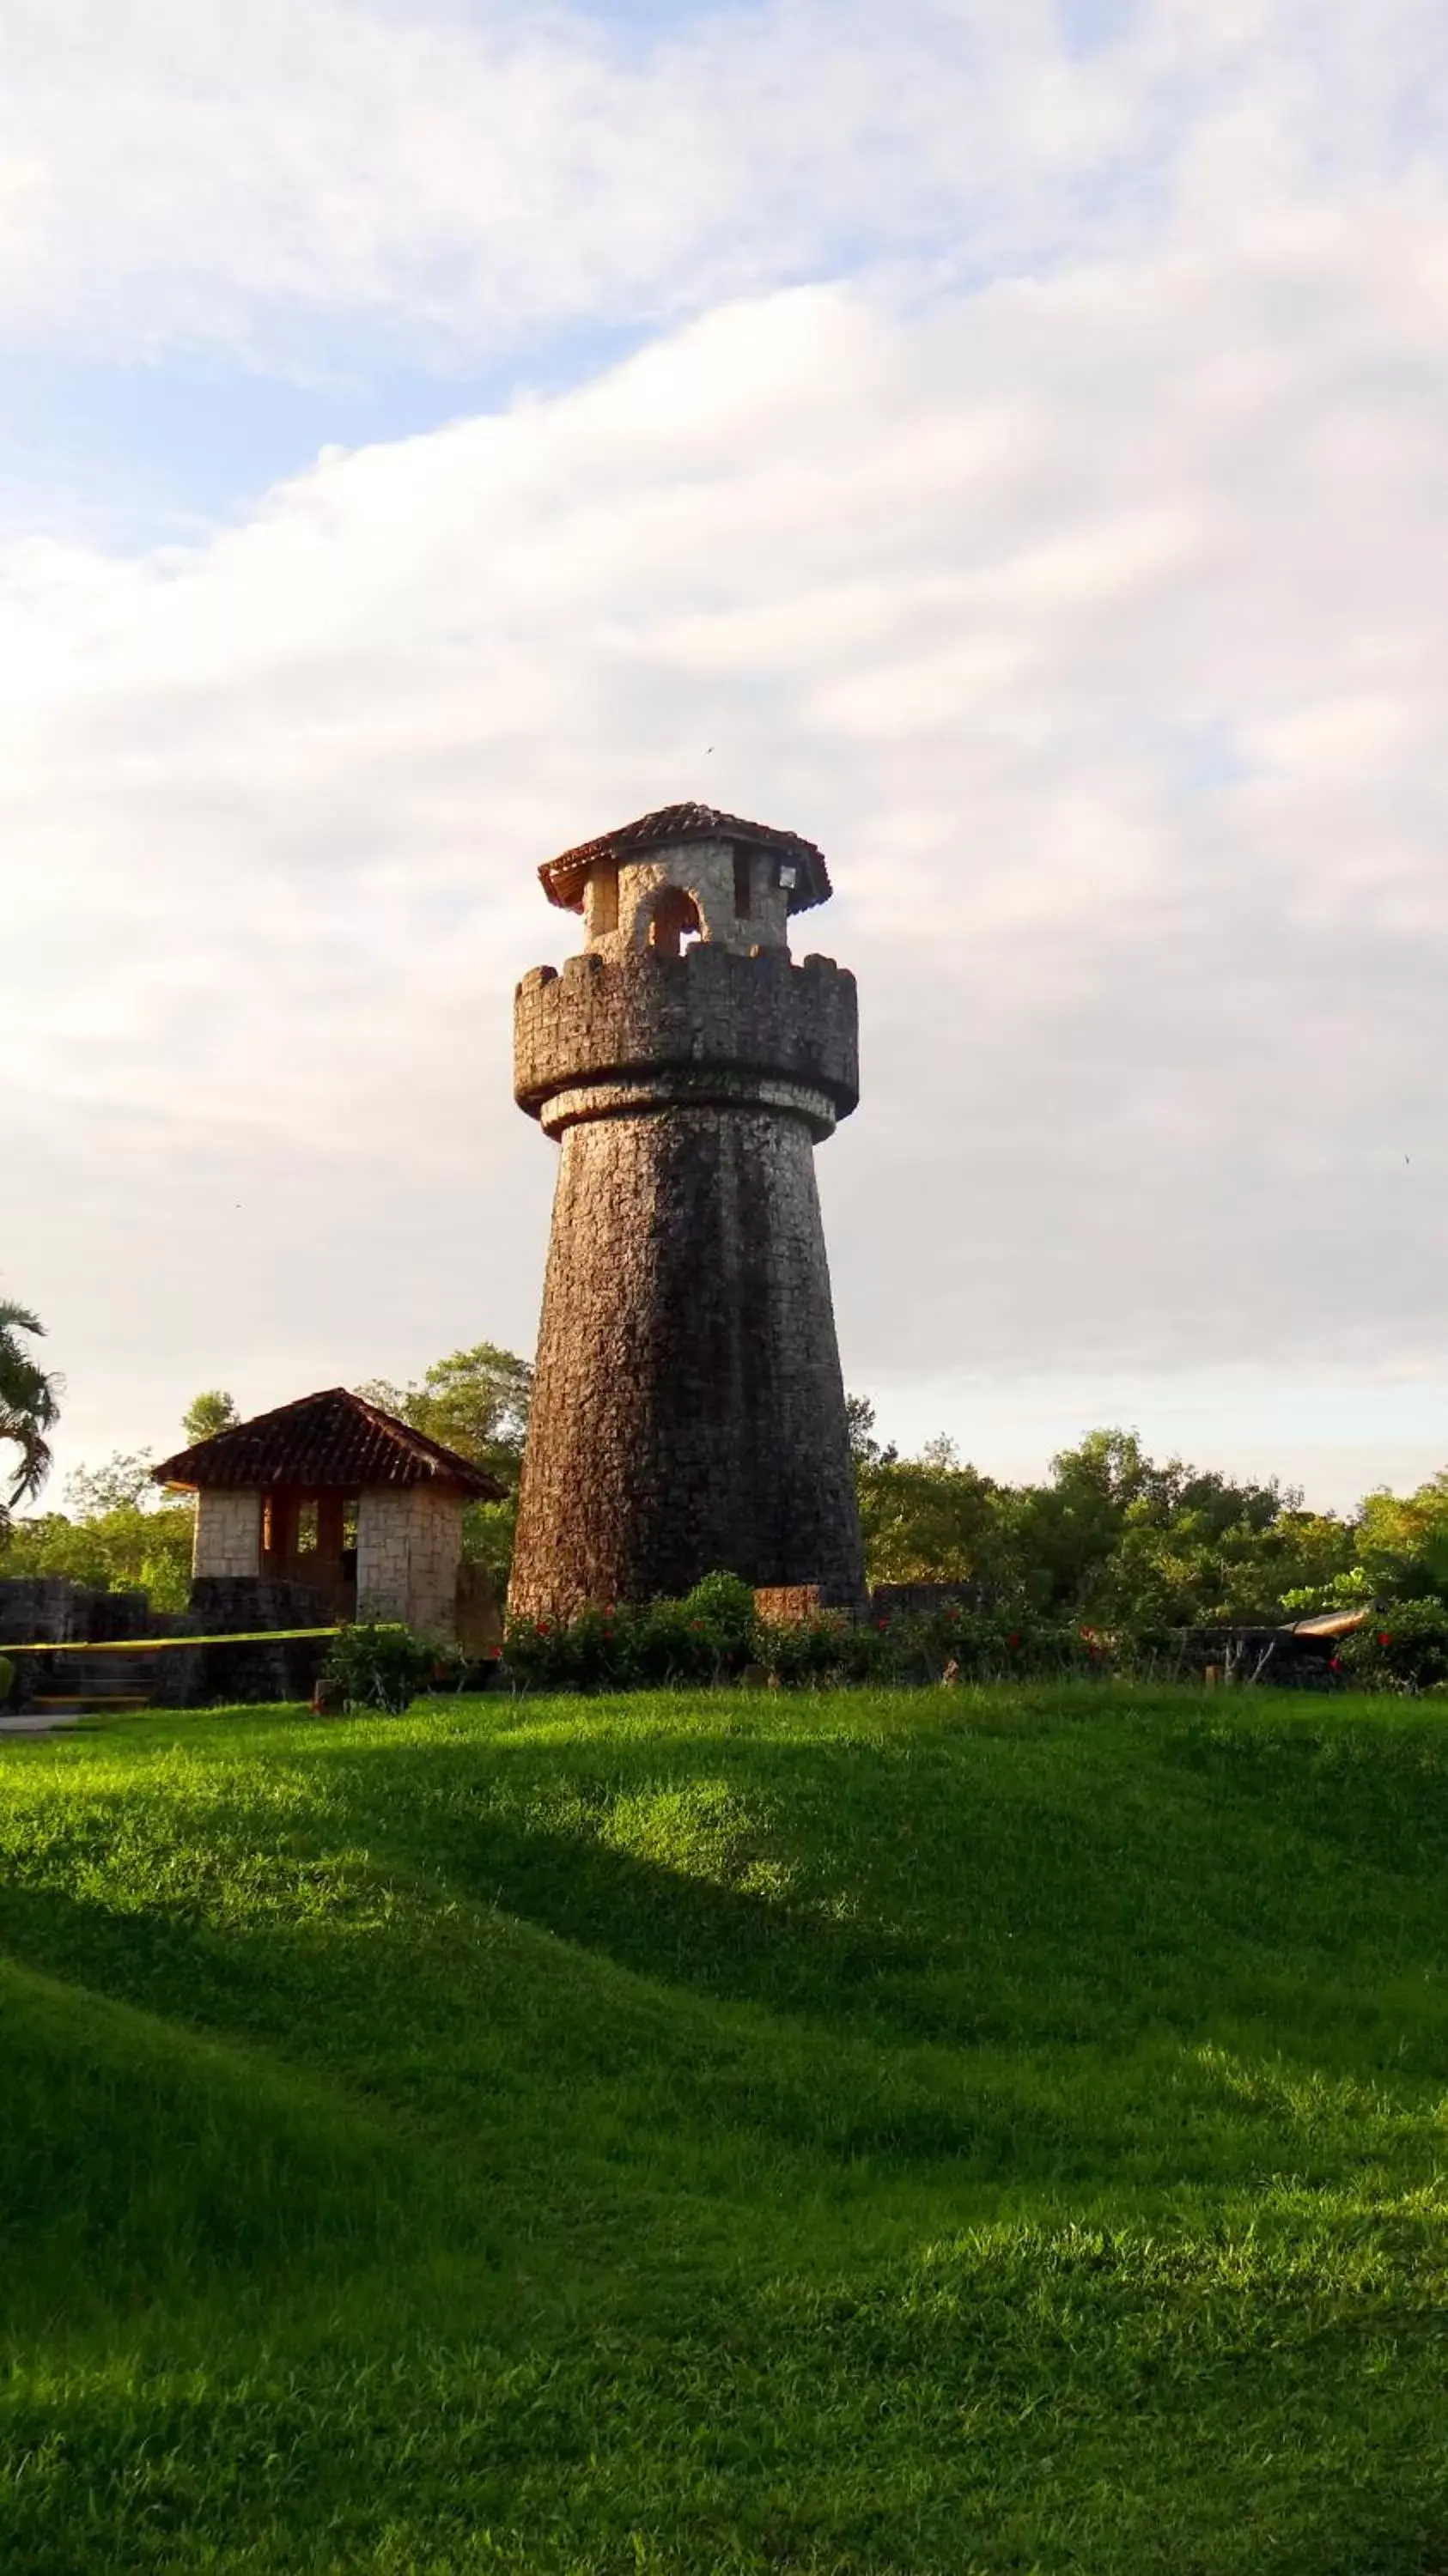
{"x": 335, "y": 1438}
{"x": 564, "y": 878}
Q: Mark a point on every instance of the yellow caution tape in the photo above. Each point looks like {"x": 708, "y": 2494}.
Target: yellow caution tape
{"x": 153, "y": 1645}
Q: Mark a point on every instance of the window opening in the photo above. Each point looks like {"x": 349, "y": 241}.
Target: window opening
{"x": 675, "y": 917}
{"x": 743, "y": 888}
{"x": 307, "y": 1528}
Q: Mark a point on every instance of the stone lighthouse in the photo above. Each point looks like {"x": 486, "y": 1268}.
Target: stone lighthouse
{"x": 688, "y": 1413}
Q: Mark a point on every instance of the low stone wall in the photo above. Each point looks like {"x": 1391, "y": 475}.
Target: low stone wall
{"x": 51, "y": 1608}
{"x": 917, "y": 1600}
{"x": 210, "y": 1676}
{"x": 787, "y": 1604}
{"x": 479, "y": 1611}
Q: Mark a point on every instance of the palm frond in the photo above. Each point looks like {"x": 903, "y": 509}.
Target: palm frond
{"x": 29, "y": 1399}
{"x": 34, "y": 1467}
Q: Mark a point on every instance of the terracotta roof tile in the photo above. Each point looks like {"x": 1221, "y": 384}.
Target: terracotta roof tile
{"x": 564, "y": 878}
{"x": 335, "y": 1438}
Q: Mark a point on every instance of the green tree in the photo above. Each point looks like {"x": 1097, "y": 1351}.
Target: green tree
{"x": 1114, "y": 1535}
{"x": 1403, "y": 1542}
{"x": 474, "y": 1401}
{"x": 29, "y": 1402}
{"x": 931, "y": 1520}
{"x": 1117, "y": 1539}
{"x": 128, "y": 1548}
{"x": 865, "y": 1449}
{"x": 212, "y": 1411}
{"x": 119, "y": 1533}
{"x": 122, "y": 1483}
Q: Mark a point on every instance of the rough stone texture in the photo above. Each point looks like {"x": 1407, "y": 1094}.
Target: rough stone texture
{"x": 788, "y": 1605}
{"x": 52, "y": 1607}
{"x": 621, "y": 899}
{"x": 709, "y": 1027}
{"x": 228, "y": 1534}
{"x": 688, "y": 1411}
{"x": 275, "y": 1669}
{"x": 479, "y": 1611}
{"x": 409, "y": 1542}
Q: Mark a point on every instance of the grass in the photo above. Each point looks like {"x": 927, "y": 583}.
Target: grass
{"x": 973, "y": 2132}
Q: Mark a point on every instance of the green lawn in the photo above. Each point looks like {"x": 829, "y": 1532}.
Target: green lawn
{"x": 959, "y": 2131}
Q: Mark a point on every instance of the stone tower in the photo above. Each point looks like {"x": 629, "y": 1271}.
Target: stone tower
{"x": 688, "y": 1412}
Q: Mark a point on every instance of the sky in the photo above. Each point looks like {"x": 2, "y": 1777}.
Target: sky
{"x": 999, "y": 439}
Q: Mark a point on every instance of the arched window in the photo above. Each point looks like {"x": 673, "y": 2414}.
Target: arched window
{"x": 673, "y": 916}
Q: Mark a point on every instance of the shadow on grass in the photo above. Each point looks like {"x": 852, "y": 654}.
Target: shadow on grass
{"x": 142, "y": 2163}
{"x": 955, "y": 1953}
{"x": 870, "y": 2301}
{"x": 970, "y": 1891}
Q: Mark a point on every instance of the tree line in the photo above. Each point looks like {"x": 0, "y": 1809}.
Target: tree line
{"x": 1109, "y": 1536}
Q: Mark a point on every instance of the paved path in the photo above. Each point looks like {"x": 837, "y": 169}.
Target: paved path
{"x": 41, "y": 1722}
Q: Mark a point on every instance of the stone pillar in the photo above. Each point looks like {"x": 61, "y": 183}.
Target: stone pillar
{"x": 228, "y": 1532}
{"x": 409, "y": 1543}
{"x": 688, "y": 1409}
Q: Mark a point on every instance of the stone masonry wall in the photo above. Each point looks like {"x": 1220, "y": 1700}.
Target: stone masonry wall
{"x": 703, "y": 869}
{"x": 689, "y": 1412}
{"x": 268, "y": 1669}
{"x": 689, "y": 1020}
{"x": 409, "y": 1541}
{"x": 50, "y": 1606}
{"x": 228, "y": 1533}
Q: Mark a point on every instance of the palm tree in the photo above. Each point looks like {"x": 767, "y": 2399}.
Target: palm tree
{"x": 29, "y": 1403}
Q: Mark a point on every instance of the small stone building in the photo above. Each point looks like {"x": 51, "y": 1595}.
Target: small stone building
{"x": 332, "y": 1493}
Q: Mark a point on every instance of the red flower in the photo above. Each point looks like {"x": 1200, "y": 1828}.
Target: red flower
{"x": 1384, "y": 1637}
{"x": 1335, "y": 1664}
{"x": 696, "y": 1623}
{"x": 1013, "y": 1639}
{"x": 882, "y": 1625}
{"x": 542, "y": 1627}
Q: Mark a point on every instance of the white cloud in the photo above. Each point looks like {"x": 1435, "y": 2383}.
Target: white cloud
{"x": 1076, "y": 577}
{"x": 275, "y": 182}
{"x": 1095, "y": 626}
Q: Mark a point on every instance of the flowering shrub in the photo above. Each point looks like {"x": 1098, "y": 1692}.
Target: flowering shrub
{"x": 714, "y": 1633}
{"x": 708, "y": 1636}
{"x": 379, "y": 1665}
{"x": 1403, "y": 1649}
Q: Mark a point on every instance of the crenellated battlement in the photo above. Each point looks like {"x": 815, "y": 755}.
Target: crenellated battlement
{"x": 711, "y": 1026}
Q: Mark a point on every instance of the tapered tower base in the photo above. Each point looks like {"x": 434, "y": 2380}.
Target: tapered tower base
{"x": 689, "y": 1412}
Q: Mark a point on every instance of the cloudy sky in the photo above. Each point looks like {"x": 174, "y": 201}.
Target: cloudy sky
{"x": 1012, "y": 433}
